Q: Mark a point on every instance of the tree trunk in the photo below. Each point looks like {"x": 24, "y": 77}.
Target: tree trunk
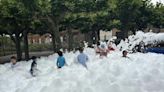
{"x": 54, "y": 28}
{"x": 26, "y": 48}
{"x": 125, "y": 33}
{"x": 70, "y": 39}
{"x": 98, "y": 35}
{"x": 54, "y": 42}
{"x": 55, "y": 38}
{"x": 88, "y": 37}
{"x": 3, "y": 46}
{"x": 93, "y": 37}
{"x": 18, "y": 47}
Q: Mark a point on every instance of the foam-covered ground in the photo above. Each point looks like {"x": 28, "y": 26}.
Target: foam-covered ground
{"x": 140, "y": 73}
{"x": 147, "y": 38}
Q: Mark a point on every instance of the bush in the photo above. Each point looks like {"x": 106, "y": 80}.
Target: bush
{"x": 40, "y": 47}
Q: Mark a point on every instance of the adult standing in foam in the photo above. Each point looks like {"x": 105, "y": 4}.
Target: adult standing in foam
{"x": 61, "y": 60}
{"x": 82, "y": 58}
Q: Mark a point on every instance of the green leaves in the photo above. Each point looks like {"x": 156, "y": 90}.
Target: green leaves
{"x": 80, "y": 14}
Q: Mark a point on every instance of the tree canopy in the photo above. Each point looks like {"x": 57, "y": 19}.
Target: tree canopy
{"x": 20, "y": 17}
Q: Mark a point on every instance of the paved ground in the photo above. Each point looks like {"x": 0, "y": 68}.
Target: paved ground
{"x": 5, "y": 59}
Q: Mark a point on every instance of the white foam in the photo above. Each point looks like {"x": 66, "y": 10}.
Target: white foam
{"x": 147, "y": 38}
{"x": 140, "y": 73}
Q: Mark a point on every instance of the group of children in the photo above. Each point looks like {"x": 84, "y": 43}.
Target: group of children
{"x": 33, "y": 68}
{"x": 102, "y": 49}
{"x": 82, "y": 58}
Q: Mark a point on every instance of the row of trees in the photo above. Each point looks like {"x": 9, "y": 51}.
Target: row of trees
{"x": 20, "y": 17}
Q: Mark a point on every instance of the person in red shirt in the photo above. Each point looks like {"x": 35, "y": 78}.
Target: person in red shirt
{"x": 110, "y": 48}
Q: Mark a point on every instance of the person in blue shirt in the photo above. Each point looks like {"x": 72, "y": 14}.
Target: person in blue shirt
{"x": 82, "y": 58}
{"x": 61, "y": 60}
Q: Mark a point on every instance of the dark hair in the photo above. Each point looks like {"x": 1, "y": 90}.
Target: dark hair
{"x": 33, "y": 57}
{"x": 81, "y": 49}
{"x": 98, "y": 43}
{"x": 60, "y": 53}
{"x": 124, "y": 51}
{"x": 13, "y": 57}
